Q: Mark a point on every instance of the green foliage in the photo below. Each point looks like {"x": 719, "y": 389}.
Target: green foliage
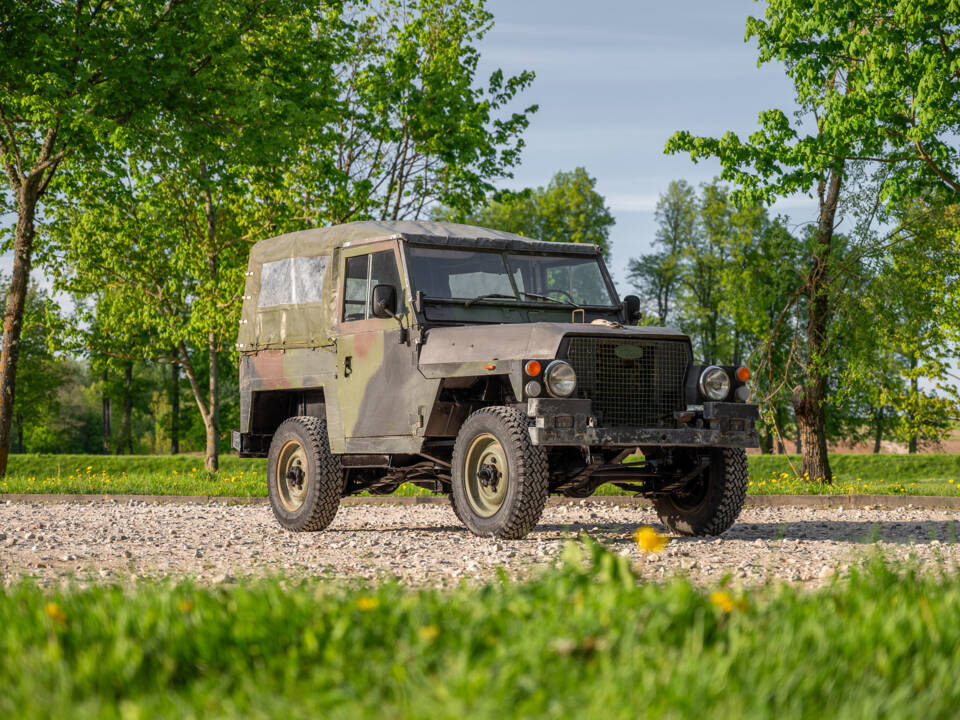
{"x": 883, "y": 78}
{"x": 582, "y": 639}
{"x": 568, "y": 209}
{"x": 413, "y": 124}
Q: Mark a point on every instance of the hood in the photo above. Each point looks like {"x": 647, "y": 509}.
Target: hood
{"x": 483, "y": 343}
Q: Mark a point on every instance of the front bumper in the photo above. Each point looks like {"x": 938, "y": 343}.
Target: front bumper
{"x": 571, "y": 422}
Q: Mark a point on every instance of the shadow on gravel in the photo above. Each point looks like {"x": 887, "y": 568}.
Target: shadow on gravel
{"x": 861, "y": 532}
{"x": 921, "y": 532}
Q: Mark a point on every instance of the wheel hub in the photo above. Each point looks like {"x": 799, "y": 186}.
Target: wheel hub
{"x": 489, "y": 476}
{"x": 295, "y": 476}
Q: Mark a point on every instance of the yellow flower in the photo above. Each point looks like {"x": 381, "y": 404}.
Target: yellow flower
{"x": 367, "y": 603}
{"x": 649, "y": 540}
{"x": 722, "y": 600}
{"x": 429, "y": 632}
{"x": 186, "y": 605}
{"x": 55, "y": 613}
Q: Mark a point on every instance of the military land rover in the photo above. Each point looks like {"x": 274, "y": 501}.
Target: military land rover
{"x": 479, "y": 364}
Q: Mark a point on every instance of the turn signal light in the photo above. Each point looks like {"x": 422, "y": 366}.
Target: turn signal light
{"x": 532, "y": 368}
{"x": 743, "y": 374}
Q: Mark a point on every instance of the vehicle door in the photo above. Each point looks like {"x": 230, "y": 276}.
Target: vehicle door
{"x": 381, "y": 390}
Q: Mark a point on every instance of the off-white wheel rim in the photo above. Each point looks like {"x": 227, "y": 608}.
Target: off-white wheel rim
{"x": 292, "y": 477}
{"x": 486, "y": 475}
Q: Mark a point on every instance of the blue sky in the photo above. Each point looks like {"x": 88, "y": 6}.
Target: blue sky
{"x": 616, "y": 79}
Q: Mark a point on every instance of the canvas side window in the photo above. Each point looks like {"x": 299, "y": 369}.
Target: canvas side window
{"x": 292, "y": 281}
{"x": 275, "y": 286}
{"x": 308, "y": 274}
{"x": 355, "y": 283}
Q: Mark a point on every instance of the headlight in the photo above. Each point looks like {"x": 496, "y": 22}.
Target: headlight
{"x": 715, "y": 383}
{"x": 560, "y": 378}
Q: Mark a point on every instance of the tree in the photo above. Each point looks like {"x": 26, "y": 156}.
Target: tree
{"x": 80, "y": 79}
{"x": 414, "y": 126}
{"x": 160, "y": 239}
{"x": 878, "y": 82}
{"x": 657, "y": 274}
{"x": 568, "y": 209}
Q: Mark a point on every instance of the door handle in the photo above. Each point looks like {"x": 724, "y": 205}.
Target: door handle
{"x": 347, "y": 365}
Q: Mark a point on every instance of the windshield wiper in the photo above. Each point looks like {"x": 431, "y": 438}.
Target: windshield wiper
{"x": 547, "y": 297}
{"x": 471, "y": 301}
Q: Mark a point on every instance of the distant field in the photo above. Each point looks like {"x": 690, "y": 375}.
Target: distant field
{"x": 926, "y": 474}
{"x": 583, "y": 640}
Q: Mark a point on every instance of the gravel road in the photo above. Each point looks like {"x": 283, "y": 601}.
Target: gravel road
{"x": 424, "y": 544}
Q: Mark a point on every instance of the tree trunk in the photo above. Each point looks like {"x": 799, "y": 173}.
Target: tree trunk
{"x": 202, "y": 406}
{"x": 105, "y": 414}
{"x": 27, "y": 197}
{"x": 781, "y": 450}
{"x": 809, "y": 398}
{"x": 915, "y": 387}
{"x": 127, "y": 409}
{"x": 212, "y": 460}
{"x": 20, "y": 433}
{"x": 878, "y": 430}
{"x": 174, "y": 407}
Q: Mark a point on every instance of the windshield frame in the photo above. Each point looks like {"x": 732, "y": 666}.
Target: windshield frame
{"x": 518, "y": 301}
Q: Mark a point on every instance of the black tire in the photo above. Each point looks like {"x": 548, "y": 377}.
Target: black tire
{"x": 716, "y": 503}
{"x": 314, "y": 504}
{"x": 524, "y": 492}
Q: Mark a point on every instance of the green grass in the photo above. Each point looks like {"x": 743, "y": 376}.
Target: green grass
{"x": 928, "y": 474}
{"x": 584, "y": 640}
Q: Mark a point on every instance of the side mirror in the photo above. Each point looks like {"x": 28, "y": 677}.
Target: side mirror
{"x": 384, "y": 301}
{"x": 631, "y": 309}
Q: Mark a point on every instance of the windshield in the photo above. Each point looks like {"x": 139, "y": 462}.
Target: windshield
{"x": 469, "y": 274}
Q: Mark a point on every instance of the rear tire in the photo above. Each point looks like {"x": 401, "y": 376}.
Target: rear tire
{"x": 716, "y": 498}
{"x": 499, "y": 476}
{"x": 304, "y": 479}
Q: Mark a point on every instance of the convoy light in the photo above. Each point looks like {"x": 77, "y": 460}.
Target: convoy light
{"x": 715, "y": 383}
{"x": 532, "y": 388}
{"x": 560, "y": 378}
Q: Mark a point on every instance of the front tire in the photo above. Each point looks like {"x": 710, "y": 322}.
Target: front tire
{"x": 713, "y": 501}
{"x": 304, "y": 479}
{"x": 499, "y": 476}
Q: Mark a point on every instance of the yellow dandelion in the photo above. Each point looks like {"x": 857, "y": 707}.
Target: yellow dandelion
{"x": 186, "y": 605}
{"x": 367, "y": 603}
{"x": 55, "y": 613}
{"x": 429, "y": 632}
{"x": 722, "y": 600}
{"x": 649, "y": 540}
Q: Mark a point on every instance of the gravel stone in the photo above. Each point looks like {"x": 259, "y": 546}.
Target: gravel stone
{"x": 424, "y": 544}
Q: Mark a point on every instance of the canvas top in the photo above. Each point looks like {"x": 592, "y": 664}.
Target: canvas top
{"x": 322, "y": 241}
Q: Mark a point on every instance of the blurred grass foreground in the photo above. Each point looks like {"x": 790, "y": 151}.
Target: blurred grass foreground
{"x": 584, "y": 639}
{"x": 927, "y": 474}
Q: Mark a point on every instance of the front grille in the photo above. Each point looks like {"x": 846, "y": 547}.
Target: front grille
{"x": 632, "y": 382}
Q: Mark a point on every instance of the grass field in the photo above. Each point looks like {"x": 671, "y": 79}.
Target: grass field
{"x": 584, "y": 640}
{"x": 929, "y": 474}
